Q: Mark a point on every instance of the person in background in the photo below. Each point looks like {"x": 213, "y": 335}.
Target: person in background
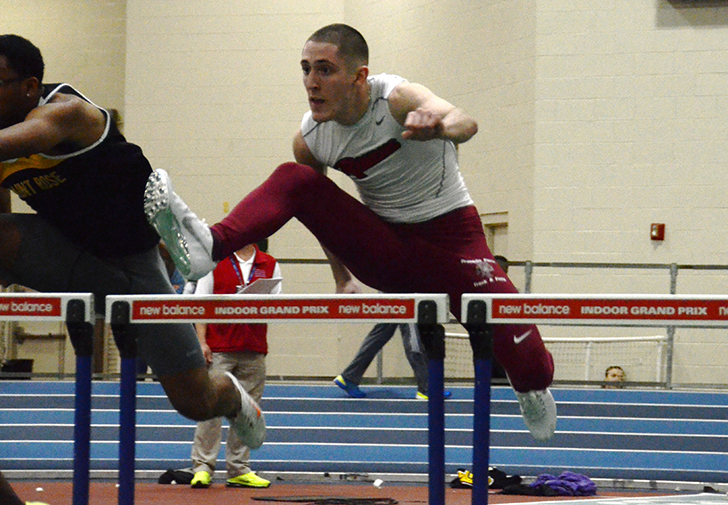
{"x": 375, "y": 340}
{"x": 614, "y": 376}
{"x": 502, "y": 262}
{"x": 238, "y": 349}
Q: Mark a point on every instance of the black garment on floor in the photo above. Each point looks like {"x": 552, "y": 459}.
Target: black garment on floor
{"x": 176, "y": 476}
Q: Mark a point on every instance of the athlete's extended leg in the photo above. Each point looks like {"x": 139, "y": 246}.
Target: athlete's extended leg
{"x": 462, "y": 263}
{"x": 448, "y": 254}
{"x": 38, "y": 256}
{"x": 369, "y": 247}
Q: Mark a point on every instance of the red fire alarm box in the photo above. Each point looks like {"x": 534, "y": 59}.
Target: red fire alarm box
{"x": 657, "y": 231}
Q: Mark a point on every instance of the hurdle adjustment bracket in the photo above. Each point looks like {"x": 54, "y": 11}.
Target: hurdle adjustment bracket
{"x": 479, "y": 331}
{"x": 431, "y": 333}
{"x": 120, "y": 322}
{"x": 80, "y": 331}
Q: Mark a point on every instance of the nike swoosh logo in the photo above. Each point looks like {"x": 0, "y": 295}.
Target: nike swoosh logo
{"x": 380, "y": 121}
{"x": 518, "y": 340}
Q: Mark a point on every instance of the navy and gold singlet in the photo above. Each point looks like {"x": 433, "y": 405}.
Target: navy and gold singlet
{"x": 95, "y": 195}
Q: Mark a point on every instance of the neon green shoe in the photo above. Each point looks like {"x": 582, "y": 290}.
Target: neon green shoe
{"x": 423, "y": 396}
{"x": 35, "y": 503}
{"x": 201, "y": 480}
{"x": 249, "y": 479}
{"x": 350, "y": 388}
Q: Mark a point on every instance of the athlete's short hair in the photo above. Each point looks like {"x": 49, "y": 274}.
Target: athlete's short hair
{"x": 352, "y": 46}
{"x": 22, "y": 56}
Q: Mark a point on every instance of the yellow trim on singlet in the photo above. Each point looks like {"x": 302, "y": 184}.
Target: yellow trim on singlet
{"x": 35, "y": 161}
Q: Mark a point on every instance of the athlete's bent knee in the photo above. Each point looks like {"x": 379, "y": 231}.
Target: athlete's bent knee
{"x": 297, "y": 172}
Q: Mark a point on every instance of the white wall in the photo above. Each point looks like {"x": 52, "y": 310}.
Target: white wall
{"x": 631, "y": 100}
{"x": 597, "y": 118}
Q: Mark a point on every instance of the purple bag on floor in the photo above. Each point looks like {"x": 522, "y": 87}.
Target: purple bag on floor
{"x": 567, "y": 484}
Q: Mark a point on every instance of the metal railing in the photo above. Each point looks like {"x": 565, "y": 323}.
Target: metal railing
{"x": 672, "y": 270}
{"x": 533, "y": 269}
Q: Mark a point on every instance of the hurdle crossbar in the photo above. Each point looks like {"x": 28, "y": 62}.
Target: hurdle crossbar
{"x": 429, "y": 311}
{"x": 390, "y": 308}
{"x": 481, "y": 311}
{"x": 697, "y": 311}
{"x": 77, "y": 311}
{"x": 42, "y": 307}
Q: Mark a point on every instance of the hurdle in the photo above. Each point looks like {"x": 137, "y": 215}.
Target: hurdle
{"x": 480, "y": 311}
{"x": 77, "y": 311}
{"x": 428, "y": 311}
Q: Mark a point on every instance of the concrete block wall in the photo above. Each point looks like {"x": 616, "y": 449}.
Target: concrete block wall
{"x": 597, "y": 118}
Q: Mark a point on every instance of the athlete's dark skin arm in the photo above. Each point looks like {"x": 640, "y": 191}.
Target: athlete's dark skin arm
{"x": 66, "y": 118}
{"x": 27, "y": 128}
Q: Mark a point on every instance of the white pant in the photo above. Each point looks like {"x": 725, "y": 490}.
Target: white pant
{"x": 249, "y": 368}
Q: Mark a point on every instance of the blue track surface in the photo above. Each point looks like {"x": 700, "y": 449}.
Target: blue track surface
{"x": 631, "y": 434}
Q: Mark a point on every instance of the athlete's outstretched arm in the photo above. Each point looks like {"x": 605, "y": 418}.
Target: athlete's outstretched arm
{"x": 426, "y": 116}
{"x": 66, "y": 119}
{"x": 345, "y": 283}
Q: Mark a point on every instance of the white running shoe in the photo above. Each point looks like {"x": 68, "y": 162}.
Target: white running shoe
{"x": 249, "y": 424}
{"x": 187, "y": 238}
{"x": 539, "y": 413}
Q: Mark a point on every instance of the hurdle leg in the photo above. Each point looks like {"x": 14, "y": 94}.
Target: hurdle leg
{"x": 481, "y": 340}
{"x": 127, "y": 400}
{"x": 81, "y": 333}
{"x": 433, "y": 338}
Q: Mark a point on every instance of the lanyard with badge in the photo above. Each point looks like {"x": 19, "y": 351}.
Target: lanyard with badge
{"x": 236, "y": 267}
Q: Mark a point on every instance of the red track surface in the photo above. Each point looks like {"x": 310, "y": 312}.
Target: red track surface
{"x": 60, "y": 493}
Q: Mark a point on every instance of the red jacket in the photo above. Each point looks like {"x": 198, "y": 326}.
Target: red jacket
{"x": 235, "y": 337}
